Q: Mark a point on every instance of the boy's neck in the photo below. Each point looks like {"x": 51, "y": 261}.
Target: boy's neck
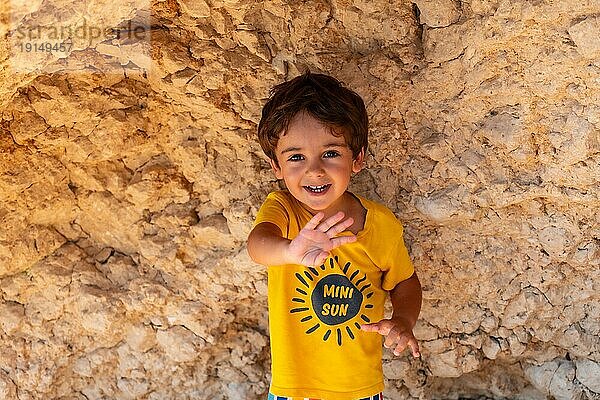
{"x": 350, "y": 206}
{"x": 344, "y": 204}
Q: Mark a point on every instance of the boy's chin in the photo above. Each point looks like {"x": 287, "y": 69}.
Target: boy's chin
{"x": 316, "y": 207}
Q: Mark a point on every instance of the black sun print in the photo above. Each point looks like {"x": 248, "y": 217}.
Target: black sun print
{"x": 329, "y": 305}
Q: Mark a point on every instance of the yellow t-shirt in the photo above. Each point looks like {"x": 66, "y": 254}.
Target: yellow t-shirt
{"x": 317, "y": 348}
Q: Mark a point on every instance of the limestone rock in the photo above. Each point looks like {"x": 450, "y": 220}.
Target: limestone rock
{"x": 179, "y": 344}
{"x": 141, "y": 338}
{"x": 438, "y": 14}
{"x": 588, "y": 373}
{"x": 8, "y": 390}
{"x": 491, "y": 348}
{"x": 483, "y": 7}
{"x": 11, "y": 315}
{"x": 541, "y": 375}
{"x": 441, "y": 205}
{"x": 503, "y": 129}
{"x": 556, "y": 378}
{"x": 587, "y": 43}
{"x": 395, "y": 369}
{"x": 561, "y": 385}
{"x": 196, "y": 9}
{"x": 444, "y": 44}
{"x": 453, "y": 363}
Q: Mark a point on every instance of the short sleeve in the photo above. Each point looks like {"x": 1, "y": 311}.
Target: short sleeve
{"x": 398, "y": 266}
{"x": 274, "y": 211}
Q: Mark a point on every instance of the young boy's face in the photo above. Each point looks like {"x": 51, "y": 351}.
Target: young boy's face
{"x": 315, "y": 165}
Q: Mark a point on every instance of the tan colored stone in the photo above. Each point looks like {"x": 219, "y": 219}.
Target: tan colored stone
{"x": 491, "y": 348}
{"x": 196, "y": 8}
{"x": 395, "y": 369}
{"x": 178, "y": 343}
{"x": 453, "y": 363}
{"x": 8, "y": 390}
{"x": 438, "y": 14}
{"x": 587, "y": 44}
{"x": 11, "y": 315}
{"x": 140, "y": 337}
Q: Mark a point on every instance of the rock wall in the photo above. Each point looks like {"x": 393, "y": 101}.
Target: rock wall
{"x": 130, "y": 176}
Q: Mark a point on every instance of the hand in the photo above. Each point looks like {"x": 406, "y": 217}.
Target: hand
{"x": 312, "y": 245}
{"x": 398, "y": 335}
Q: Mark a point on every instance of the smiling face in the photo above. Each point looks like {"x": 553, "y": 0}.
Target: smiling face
{"x": 315, "y": 165}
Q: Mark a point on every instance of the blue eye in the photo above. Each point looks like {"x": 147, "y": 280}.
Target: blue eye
{"x": 296, "y": 157}
{"x": 331, "y": 154}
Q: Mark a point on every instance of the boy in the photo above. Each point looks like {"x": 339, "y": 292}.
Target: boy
{"x": 332, "y": 256}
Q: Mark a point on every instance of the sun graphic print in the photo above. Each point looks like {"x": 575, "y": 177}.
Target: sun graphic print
{"x": 327, "y": 302}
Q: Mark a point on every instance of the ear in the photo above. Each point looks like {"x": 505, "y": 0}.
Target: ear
{"x": 276, "y": 169}
{"x": 358, "y": 162}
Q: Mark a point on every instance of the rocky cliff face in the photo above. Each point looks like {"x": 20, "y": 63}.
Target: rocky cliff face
{"x": 130, "y": 176}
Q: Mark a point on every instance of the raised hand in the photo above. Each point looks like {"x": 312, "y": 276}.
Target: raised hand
{"x": 316, "y": 239}
{"x": 398, "y": 335}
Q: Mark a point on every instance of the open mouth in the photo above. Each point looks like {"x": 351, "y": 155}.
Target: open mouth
{"x": 317, "y": 189}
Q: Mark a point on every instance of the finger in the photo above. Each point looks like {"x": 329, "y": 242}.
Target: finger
{"x": 337, "y": 228}
{"x": 380, "y": 327}
{"x": 314, "y": 221}
{"x": 414, "y": 346}
{"x": 336, "y": 242}
{"x": 331, "y": 221}
{"x": 400, "y": 345}
{"x": 369, "y": 327}
{"x": 392, "y": 338}
{"x": 399, "y": 349}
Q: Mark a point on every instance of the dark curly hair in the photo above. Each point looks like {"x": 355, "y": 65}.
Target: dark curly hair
{"x": 324, "y": 98}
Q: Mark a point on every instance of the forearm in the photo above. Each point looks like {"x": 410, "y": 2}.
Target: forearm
{"x": 406, "y": 300}
{"x": 266, "y": 246}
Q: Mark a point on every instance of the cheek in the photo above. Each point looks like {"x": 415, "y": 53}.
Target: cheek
{"x": 342, "y": 170}
{"x": 290, "y": 172}
{"x": 295, "y": 168}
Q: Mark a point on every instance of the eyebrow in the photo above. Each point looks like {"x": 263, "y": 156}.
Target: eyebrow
{"x": 293, "y": 149}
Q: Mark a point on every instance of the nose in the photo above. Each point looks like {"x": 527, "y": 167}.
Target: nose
{"x": 316, "y": 168}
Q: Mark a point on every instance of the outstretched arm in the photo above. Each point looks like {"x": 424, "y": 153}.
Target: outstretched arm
{"x": 406, "y": 300}
{"x": 267, "y": 246}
